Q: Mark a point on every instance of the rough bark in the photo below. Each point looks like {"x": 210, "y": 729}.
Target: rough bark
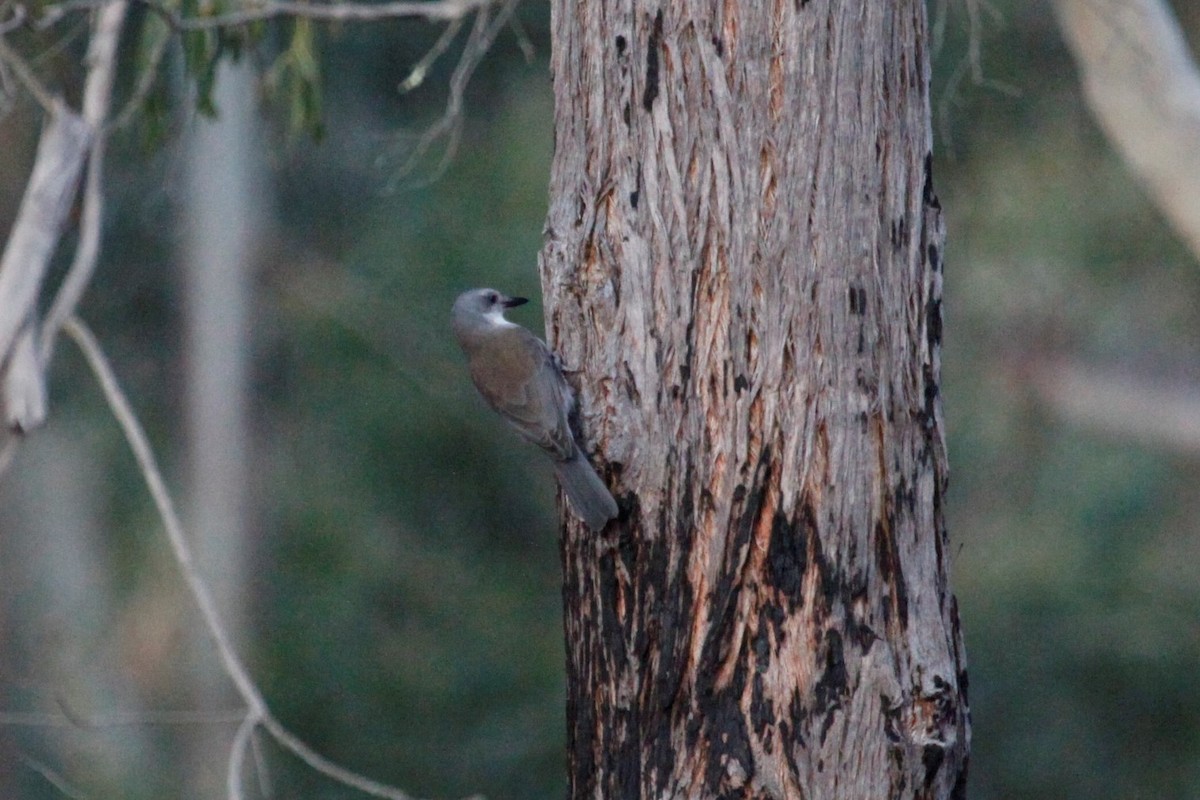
{"x": 743, "y": 265}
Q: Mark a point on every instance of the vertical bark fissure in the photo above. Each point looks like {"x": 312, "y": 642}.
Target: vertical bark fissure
{"x": 743, "y": 258}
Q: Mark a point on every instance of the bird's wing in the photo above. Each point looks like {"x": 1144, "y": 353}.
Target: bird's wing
{"x": 539, "y": 409}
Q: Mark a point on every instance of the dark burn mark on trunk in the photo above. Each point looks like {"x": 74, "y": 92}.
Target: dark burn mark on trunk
{"x": 613, "y": 630}
{"x": 899, "y": 233}
{"x": 933, "y": 322}
{"x": 725, "y": 730}
{"x": 858, "y": 301}
{"x": 651, "y": 92}
{"x": 786, "y": 557}
{"x": 628, "y": 769}
{"x": 931, "y": 395}
{"x": 762, "y": 710}
{"x": 932, "y": 756}
{"x": 927, "y": 194}
{"x": 959, "y": 792}
{"x": 620, "y": 45}
{"x": 762, "y": 650}
{"x": 832, "y": 686}
{"x": 725, "y": 596}
{"x": 665, "y": 629}
{"x": 888, "y": 560}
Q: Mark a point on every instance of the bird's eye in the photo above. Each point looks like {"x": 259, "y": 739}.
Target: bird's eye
{"x": 492, "y": 297}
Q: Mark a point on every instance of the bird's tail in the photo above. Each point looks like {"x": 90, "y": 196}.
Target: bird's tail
{"x": 586, "y": 492}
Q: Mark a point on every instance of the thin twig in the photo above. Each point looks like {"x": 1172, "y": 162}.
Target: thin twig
{"x": 234, "y": 668}
{"x": 237, "y": 756}
{"x": 97, "y": 99}
{"x": 15, "y": 21}
{"x": 146, "y": 79}
{"x": 182, "y": 551}
{"x": 260, "y": 765}
{"x": 26, "y": 76}
{"x": 523, "y": 41}
{"x": 449, "y": 125}
{"x": 416, "y": 75}
{"x": 35, "y": 719}
{"x": 430, "y": 10}
{"x": 8, "y": 451}
{"x": 52, "y": 777}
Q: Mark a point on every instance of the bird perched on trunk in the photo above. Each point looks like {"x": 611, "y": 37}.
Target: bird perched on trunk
{"x": 521, "y": 379}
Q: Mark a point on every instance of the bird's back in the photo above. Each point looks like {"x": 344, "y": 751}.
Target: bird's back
{"x": 516, "y": 374}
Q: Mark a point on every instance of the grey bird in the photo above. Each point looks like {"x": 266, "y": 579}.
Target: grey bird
{"x": 520, "y": 378}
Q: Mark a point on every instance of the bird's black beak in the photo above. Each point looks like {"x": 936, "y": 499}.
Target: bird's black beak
{"x": 513, "y": 302}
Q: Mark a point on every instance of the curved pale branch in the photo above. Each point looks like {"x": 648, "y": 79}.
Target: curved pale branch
{"x": 68, "y": 139}
{"x": 257, "y": 712}
{"x": 97, "y": 99}
{"x": 1144, "y": 89}
{"x": 430, "y": 10}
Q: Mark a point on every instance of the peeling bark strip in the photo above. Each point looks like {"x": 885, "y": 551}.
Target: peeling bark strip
{"x": 746, "y": 271}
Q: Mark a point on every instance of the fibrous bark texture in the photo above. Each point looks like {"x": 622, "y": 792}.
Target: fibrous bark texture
{"x": 742, "y": 267}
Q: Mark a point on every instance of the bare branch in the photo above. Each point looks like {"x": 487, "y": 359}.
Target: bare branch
{"x": 97, "y": 98}
{"x": 449, "y": 125}
{"x": 430, "y": 10}
{"x": 15, "y": 21}
{"x": 260, "y": 766}
{"x": 1144, "y": 89}
{"x": 416, "y": 75}
{"x": 182, "y": 551}
{"x": 53, "y": 778}
{"x": 1154, "y": 413}
{"x": 237, "y": 755}
{"x": 67, "y": 719}
{"x": 523, "y": 41}
{"x": 13, "y": 60}
{"x": 24, "y": 383}
{"x": 234, "y": 668}
{"x": 31, "y": 243}
{"x": 146, "y": 79}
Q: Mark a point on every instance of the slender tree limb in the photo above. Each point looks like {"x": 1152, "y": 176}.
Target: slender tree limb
{"x": 23, "y": 383}
{"x": 19, "y": 15}
{"x": 257, "y": 712}
{"x": 416, "y": 76}
{"x": 97, "y": 98}
{"x": 40, "y": 220}
{"x": 67, "y": 141}
{"x": 52, "y": 777}
{"x": 146, "y": 79}
{"x": 66, "y": 719}
{"x": 1144, "y": 89}
{"x": 429, "y": 10}
{"x": 24, "y": 73}
{"x": 32, "y": 241}
{"x": 1153, "y": 413}
{"x": 260, "y": 765}
{"x": 237, "y": 756}
{"x": 182, "y": 551}
{"x": 449, "y": 125}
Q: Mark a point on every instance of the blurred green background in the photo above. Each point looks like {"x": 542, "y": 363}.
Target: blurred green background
{"x": 403, "y": 600}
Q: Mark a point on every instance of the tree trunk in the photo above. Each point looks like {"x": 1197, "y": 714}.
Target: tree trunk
{"x": 743, "y": 266}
